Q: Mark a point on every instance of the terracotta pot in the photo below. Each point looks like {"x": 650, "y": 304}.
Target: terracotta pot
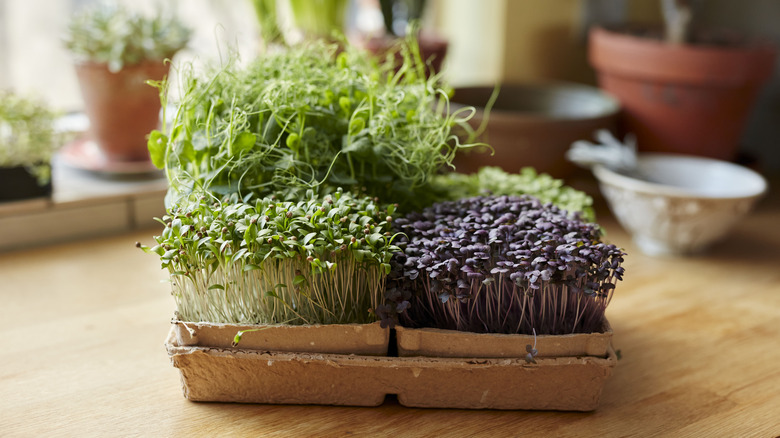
{"x": 121, "y": 107}
{"x": 433, "y": 48}
{"x": 690, "y": 99}
{"x": 18, "y": 184}
{"x": 433, "y": 342}
{"x": 257, "y": 376}
{"x": 364, "y": 339}
{"x": 534, "y": 124}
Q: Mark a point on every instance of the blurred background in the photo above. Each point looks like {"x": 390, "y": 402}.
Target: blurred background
{"x": 490, "y": 41}
{"x": 539, "y": 51}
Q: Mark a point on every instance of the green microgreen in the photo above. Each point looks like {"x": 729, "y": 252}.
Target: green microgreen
{"x": 312, "y": 117}
{"x": 322, "y": 260}
{"x": 495, "y": 181}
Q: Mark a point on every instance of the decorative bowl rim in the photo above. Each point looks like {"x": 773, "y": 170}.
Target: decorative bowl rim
{"x": 609, "y": 176}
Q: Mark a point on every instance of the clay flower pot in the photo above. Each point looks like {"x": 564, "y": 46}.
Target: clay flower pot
{"x": 533, "y": 124}
{"x": 690, "y": 99}
{"x": 433, "y": 48}
{"x": 122, "y": 108}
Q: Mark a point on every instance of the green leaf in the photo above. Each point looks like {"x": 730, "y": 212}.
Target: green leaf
{"x": 308, "y": 237}
{"x": 216, "y": 286}
{"x": 244, "y": 142}
{"x": 293, "y": 142}
{"x": 250, "y": 233}
{"x": 299, "y": 279}
{"x": 360, "y": 146}
{"x": 157, "y": 145}
{"x": 374, "y": 238}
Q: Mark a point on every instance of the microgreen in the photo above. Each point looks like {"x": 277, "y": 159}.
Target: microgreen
{"x": 501, "y": 264}
{"x": 26, "y": 135}
{"x": 319, "y": 260}
{"x": 113, "y": 34}
{"x": 531, "y": 350}
{"x": 311, "y": 117}
{"x": 495, "y": 181}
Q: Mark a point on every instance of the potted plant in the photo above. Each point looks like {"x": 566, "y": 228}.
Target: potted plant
{"x": 403, "y": 17}
{"x": 314, "y": 19}
{"x": 323, "y": 19}
{"x": 117, "y": 52}
{"x": 498, "y": 277}
{"x": 26, "y": 147}
{"x": 684, "y": 94}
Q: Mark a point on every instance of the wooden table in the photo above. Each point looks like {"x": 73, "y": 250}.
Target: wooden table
{"x": 82, "y": 329}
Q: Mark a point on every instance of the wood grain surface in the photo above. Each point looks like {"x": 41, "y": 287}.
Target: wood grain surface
{"x": 82, "y": 327}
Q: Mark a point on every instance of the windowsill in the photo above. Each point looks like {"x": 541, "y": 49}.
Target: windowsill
{"x": 82, "y": 205}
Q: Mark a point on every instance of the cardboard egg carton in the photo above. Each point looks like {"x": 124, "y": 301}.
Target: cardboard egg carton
{"x": 256, "y": 375}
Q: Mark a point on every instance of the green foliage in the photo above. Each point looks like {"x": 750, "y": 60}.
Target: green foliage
{"x": 26, "y": 135}
{"x": 319, "y": 18}
{"x": 319, "y": 260}
{"x": 495, "y": 181}
{"x": 265, "y": 10}
{"x": 310, "y": 118}
{"x": 112, "y": 34}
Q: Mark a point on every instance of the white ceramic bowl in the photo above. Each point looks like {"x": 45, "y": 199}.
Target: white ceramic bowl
{"x": 680, "y": 204}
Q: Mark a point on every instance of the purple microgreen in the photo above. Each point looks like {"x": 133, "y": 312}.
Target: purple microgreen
{"x": 502, "y": 264}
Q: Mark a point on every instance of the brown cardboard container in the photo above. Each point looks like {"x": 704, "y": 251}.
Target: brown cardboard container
{"x": 250, "y": 376}
{"x": 451, "y": 343}
{"x": 561, "y": 383}
{"x": 363, "y": 339}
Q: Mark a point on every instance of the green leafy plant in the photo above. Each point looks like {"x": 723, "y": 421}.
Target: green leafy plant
{"x": 113, "y": 34}
{"x": 497, "y": 182}
{"x": 314, "y": 261}
{"x": 310, "y": 118}
{"x": 319, "y": 18}
{"x": 26, "y": 135}
{"x": 316, "y": 19}
{"x": 265, "y": 11}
